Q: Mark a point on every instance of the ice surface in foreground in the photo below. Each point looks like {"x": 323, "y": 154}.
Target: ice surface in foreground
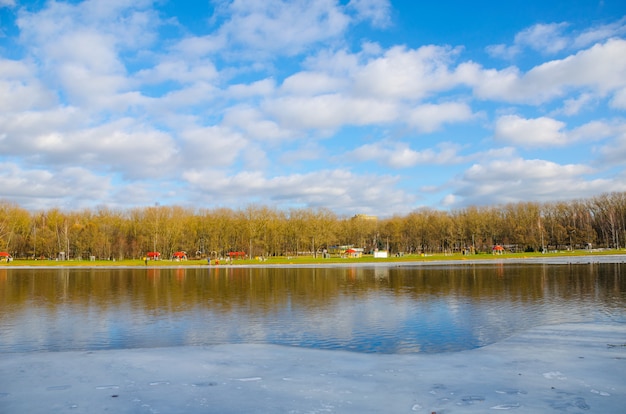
{"x": 571, "y": 368}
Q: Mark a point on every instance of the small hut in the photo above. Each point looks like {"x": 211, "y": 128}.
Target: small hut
{"x": 497, "y": 249}
{"x": 5, "y": 256}
{"x": 153, "y": 255}
{"x": 179, "y": 256}
{"x": 354, "y": 253}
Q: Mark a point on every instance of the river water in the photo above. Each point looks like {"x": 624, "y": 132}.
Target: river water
{"x": 372, "y": 309}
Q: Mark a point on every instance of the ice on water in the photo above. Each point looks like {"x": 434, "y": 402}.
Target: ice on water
{"x": 570, "y": 368}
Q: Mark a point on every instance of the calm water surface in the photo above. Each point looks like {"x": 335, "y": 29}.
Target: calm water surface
{"x": 366, "y": 309}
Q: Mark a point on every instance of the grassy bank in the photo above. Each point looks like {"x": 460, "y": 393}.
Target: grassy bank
{"x": 282, "y": 260}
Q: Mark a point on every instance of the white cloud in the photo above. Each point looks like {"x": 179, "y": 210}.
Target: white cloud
{"x": 20, "y": 89}
{"x": 22, "y": 129}
{"x": 594, "y": 131}
{"x": 539, "y": 132}
{"x": 179, "y": 70}
{"x": 79, "y": 48}
{"x": 264, "y": 87}
{"x": 600, "y": 33}
{"x": 237, "y": 102}
{"x": 400, "y": 155}
{"x": 544, "y": 132}
{"x": 376, "y": 11}
{"x": 613, "y": 153}
{"x": 430, "y": 117}
{"x": 516, "y": 180}
{"x": 198, "y": 93}
{"x": 312, "y": 83}
{"x": 70, "y": 187}
{"x": 338, "y": 190}
{"x": 406, "y": 74}
{"x": 552, "y": 38}
{"x": 619, "y": 99}
{"x": 328, "y": 112}
{"x": 545, "y": 38}
{"x": 199, "y": 46}
{"x": 600, "y": 69}
{"x": 250, "y": 120}
{"x": 217, "y": 146}
{"x": 7, "y": 3}
{"x": 575, "y": 105}
{"x": 59, "y": 138}
{"x": 501, "y": 51}
{"x": 279, "y": 26}
{"x": 309, "y": 151}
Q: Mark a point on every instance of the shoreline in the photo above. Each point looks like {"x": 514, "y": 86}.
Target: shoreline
{"x": 557, "y": 259}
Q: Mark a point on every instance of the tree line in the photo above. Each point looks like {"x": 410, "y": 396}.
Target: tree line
{"x": 104, "y": 233}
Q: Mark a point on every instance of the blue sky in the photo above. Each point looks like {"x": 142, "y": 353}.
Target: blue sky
{"x": 362, "y": 106}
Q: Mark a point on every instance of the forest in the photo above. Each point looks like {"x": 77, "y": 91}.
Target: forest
{"x": 109, "y": 234}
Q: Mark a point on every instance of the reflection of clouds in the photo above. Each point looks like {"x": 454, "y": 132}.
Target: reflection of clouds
{"x": 373, "y": 309}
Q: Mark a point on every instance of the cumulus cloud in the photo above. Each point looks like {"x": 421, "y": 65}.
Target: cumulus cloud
{"x": 619, "y": 99}
{"x": 545, "y": 38}
{"x": 575, "y": 105}
{"x": 376, "y": 11}
{"x": 400, "y": 155}
{"x": 68, "y": 187}
{"x": 516, "y": 180}
{"x": 539, "y": 132}
{"x": 58, "y": 138}
{"x": 551, "y": 38}
{"x": 407, "y": 74}
{"x": 218, "y": 145}
{"x": 178, "y": 70}
{"x": 229, "y": 109}
{"x": 280, "y": 26}
{"x": 79, "y": 47}
{"x": 613, "y": 153}
{"x": 333, "y": 189}
{"x": 331, "y": 111}
{"x": 255, "y": 126}
{"x": 544, "y": 132}
{"x": 313, "y": 83}
{"x": 600, "y": 33}
{"x": 601, "y": 69}
{"x": 430, "y": 117}
{"x": 21, "y": 89}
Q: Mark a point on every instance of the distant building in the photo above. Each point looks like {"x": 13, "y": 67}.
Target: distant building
{"x": 364, "y": 217}
{"x": 354, "y": 252}
{"x": 339, "y": 249}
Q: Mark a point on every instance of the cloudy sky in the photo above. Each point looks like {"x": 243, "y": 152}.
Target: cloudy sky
{"x": 359, "y": 106}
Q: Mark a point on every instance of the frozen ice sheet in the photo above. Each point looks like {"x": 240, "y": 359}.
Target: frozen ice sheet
{"x": 570, "y": 368}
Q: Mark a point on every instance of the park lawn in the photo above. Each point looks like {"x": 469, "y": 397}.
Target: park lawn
{"x": 296, "y": 260}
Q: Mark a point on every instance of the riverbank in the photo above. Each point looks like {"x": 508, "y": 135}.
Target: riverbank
{"x": 565, "y": 368}
{"x": 601, "y": 256}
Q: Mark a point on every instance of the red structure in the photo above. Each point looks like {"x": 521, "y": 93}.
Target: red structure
{"x": 5, "y": 256}
{"x": 153, "y": 255}
{"x": 239, "y": 255}
{"x": 180, "y": 255}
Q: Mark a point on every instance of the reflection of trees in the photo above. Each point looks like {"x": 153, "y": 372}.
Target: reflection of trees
{"x": 267, "y": 290}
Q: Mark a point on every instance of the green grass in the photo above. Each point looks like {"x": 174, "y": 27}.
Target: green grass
{"x": 306, "y": 259}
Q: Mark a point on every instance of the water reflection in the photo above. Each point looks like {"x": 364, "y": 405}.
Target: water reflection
{"x": 366, "y": 309}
